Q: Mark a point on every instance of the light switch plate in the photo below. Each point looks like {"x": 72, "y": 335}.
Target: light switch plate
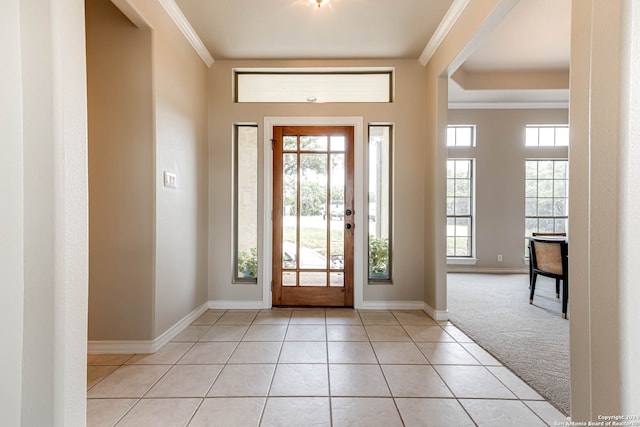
{"x": 170, "y": 179}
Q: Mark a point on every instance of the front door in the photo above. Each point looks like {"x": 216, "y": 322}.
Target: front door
{"x": 313, "y": 216}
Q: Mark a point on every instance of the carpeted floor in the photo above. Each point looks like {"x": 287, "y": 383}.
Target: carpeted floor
{"x": 531, "y": 340}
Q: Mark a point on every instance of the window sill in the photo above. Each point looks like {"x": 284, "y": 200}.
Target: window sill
{"x": 461, "y": 261}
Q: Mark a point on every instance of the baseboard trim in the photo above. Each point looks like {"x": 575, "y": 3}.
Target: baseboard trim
{"x": 391, "y": 305}
{"x": 145, "y": 346}
{"x": 235, "y": 305}
{"x": 438, "y": 315}
{"x": 487, "y": 270}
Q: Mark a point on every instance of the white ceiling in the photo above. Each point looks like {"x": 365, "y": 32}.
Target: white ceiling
{"x": 297, "y": 29}
{"x": 533, "y": 37}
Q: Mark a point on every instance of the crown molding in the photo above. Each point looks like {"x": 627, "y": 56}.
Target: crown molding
{"x": 449, "y": 19}
{"x": 174, "y": 11}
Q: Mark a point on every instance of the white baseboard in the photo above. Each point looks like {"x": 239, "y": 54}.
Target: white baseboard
{"x": 391, "y": 305}
{"x": 235, "y": 305}
{"x": 486, "y": 270}
{"x": 145, "y": 346}
{"x": 439, "y": 315}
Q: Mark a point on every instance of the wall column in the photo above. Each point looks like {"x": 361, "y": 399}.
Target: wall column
{"x": 603, "y": 209}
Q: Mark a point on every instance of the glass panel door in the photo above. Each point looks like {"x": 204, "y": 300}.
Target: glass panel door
{"x": 313, "y": 216}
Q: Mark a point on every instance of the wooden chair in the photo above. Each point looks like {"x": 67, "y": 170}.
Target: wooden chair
{"x": 530, "y": 273}
{"x": 550, "y": 258}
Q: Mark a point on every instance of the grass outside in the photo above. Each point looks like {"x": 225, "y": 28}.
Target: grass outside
{"x": 316, "y": 238}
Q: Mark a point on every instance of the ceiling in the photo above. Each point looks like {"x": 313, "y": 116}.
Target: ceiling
{"x": 531, "y": 44}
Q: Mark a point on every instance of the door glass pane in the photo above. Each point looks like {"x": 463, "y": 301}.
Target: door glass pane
{"x": 290, "y": 143}
{"x": 313, "y": 278}
{"x": 337, "y": 211}
{"x": 313, "y": 193}
{"x": 336, "y": 280}
{"x": 314, "y": 143}
{"x": 290, "y": 202}
{"x": 337, "y": 143}
{"x": 289, "y": 278}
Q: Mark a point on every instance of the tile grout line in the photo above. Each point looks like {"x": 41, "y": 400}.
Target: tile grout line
{"x": 326, "y": 344}
{"x": 395, "y": 402}
{"x": 273, "y": 376}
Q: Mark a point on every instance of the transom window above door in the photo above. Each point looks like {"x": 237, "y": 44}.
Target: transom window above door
{"x": 314, "y": 85}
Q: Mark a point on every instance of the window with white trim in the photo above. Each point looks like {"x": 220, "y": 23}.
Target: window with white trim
{"x": 546, "y": 196}
{"x": 311, "y": 85}
{"x": 379, "y": 200}
{"x": 245, "y": 200}
{"x": 460, "y": 208}
{"x": 547, "y": 136}
{"x": 461, "y": 136}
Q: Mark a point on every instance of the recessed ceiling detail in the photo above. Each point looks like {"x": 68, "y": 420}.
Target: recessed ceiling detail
{"x": 525, "y": 57}
{"x": 292, "y": 29}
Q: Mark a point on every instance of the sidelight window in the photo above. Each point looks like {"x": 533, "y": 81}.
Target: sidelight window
{"x": 245, "y": 170}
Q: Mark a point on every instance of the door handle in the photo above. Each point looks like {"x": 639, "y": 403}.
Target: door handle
{"x": 348, "y": 212}
{"x": 348, "y": 226}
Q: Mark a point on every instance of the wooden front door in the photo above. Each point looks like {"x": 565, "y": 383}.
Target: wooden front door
{"x": 313, "y": 216}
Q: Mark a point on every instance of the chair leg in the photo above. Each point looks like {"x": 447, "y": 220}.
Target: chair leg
{"x": 557, "y": 288}
{"x": 565, "y": 297}
{"x": 534, "y": 276}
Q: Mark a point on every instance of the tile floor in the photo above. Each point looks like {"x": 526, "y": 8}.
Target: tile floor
{"x": 312, "y": 367}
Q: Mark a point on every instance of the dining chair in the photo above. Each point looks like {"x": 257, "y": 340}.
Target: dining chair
{"x": 530, "y": 273}
{"x": 549, "y": 258}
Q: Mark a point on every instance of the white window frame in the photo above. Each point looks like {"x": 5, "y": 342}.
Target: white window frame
{"x": 471, "y": 259}
{"x": 388, "y": 209}
{"x": 313, "y": 85}
{"x": 455, "y": 130}
{"x": 554, "y": 217}
{"x": 236, "y": 278}
{"x": 530, "y": 129}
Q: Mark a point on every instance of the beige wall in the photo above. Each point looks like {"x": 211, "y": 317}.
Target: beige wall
{"x": 499, "y": 157}
{"x": 404, "y": 113}
{"x": 121, "y": 180}
{"x": 180, "y": 95}
{"x": 148, "y": 113}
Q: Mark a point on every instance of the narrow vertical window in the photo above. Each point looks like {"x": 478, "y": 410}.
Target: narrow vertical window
{"x": 246, "y": 203}
{"x": 459, "y": 208}
{"x": 546, "y": 197}
{"x": 379, "y": 202}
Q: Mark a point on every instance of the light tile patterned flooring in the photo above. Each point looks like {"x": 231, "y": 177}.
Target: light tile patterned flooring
{"x": 312, "y": 367}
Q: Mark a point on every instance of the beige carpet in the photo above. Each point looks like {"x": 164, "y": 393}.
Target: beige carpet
{"x": 531, "y": 340}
